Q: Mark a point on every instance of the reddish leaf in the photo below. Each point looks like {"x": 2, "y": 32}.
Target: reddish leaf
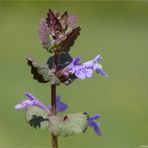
{"x": 71, "y": 39}
{"x": 64, "y": 20}
{"x": 54, "y": 25}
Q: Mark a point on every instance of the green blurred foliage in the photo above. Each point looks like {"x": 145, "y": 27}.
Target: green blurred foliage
{"x": 116, "y": 30}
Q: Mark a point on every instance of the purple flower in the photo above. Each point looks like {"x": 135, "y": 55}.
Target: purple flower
{"x": 85, "y": 70}
{"x": 33, "y": 101}
{"x": 94, "y": 125}
{"x": 81, "y": 72}
{"x": 60, "y": 106}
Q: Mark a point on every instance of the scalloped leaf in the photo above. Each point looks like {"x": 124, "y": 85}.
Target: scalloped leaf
{"x": 69, "y": 125}
{"x": 42, "y": 73}
{"x": 64, "y": 20}
{"x": 69, "y": 42}
{"x": 54, "y": 25}
{"x": 37, "y": 117}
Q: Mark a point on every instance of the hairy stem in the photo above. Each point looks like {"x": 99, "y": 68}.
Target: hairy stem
{"x": 54, "y": 139}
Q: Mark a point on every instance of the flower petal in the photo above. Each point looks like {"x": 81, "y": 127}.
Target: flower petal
{"x": 88, "y": 64}
{"x": 86, "y": 69}
{"x": 97, "y": 66}
{"x": 33, "y": 102}
{"x": 80, "y": 74}
{"x": 30, "y": 96}
{"x": 96, "y": 127}
{"x": 24, "y": 104}
{"x": 88, "y": 73}
{"x": 102, "y": 72}
{"x": 97, "y": 58}
{"x": 94, "y": 117}
{"x": 76, "y": 60}
{"x": 91, "y": 63}
{"x": 60, "y": 106}
{"x": 71, "y": 68}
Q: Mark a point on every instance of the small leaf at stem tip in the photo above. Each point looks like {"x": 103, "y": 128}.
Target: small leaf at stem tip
{"x": 58, "y": 32}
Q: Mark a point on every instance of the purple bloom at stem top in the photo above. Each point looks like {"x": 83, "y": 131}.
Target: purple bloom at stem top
{"x": 85, "y": 70}
{"x": 33, "y": 101}
{"x": 94, "y": 125}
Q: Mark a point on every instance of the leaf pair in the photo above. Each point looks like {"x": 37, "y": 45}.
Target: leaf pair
{"x": 68, "y": 125}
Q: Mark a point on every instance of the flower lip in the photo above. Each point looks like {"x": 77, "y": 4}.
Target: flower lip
{"x": 85, "y": 70}
{"x": 36, "y": 102}
{"x": 33, "y": 102}
{"x": 24, "y": 104}
{"x": 95, "y": 117}
{"x": 94, "y": 125}
{"x": 98, "y": 58}
{"x": 30, "y": 96}
{"x": 102, "y": 72}
{"x": 76, "y": 60}
{"x": 60, "y": 106}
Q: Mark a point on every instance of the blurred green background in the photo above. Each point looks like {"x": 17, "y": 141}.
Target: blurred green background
{"x": 116, "y": 30}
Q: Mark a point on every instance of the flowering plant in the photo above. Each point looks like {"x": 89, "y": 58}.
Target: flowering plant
{"x": 57, "y": 34}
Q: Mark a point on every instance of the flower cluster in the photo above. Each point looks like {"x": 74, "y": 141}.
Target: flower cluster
{"x": 84, "y": 70}
{"x": 61, "y": 107}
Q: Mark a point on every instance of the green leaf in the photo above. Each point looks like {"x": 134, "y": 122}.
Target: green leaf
{"x": 37, "y": 117}
{"x": 69, "y": 125}
{"x": 42, "y": 73}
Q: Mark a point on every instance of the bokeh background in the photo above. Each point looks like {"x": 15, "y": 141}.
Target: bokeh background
{"x": 116, "y": 30}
